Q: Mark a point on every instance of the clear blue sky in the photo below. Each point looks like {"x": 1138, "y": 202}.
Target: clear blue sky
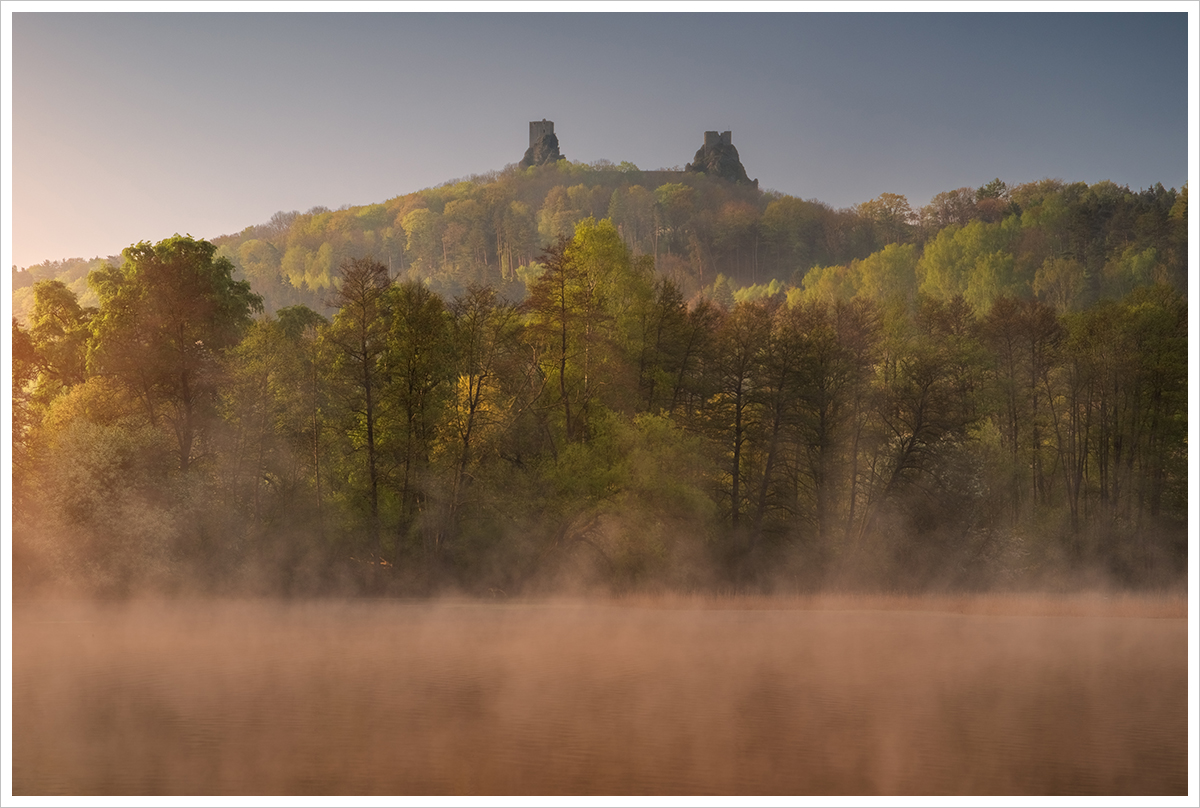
{"x": 129, "y": 127}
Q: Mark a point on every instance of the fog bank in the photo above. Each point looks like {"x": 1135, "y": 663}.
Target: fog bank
{"x": 1080, "y": 695}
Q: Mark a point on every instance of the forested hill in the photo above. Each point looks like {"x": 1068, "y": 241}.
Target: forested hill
{"x": 1068, "y": 243}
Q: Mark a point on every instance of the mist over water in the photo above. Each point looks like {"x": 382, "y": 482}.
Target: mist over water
{"x": 834, "y": 695}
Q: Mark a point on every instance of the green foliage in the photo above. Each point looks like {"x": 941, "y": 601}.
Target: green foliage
{"x": 424, "y": 243}
{"x": 975, "y": 261}
{"x": 577, "y": 306}
{"x": 631, "y": 209}
{"x": 710, "y": 378}
{"x": 636, "y": 493}
{"x": 59, "y": 330}
{"x": 558, "y": 214}
{"x": 415, "y": 366}
{"x": 830, "y": 283}
{"x": 166, "y": 316}
{"x": 1060, "y": 282}
{"x": 482, "y": 230}
{"x": 24, "y": 371}
{"x": 260, "y": 260}
{"x": 892, "y": 215}
{"x": 995, "y": 189}
{"x": 758, "y": 291}
{"x": 358, "y": 340}
{"x": 890, "y": 274}
{"x": 721, "y": 292}
{"x": 1133, "y": 269}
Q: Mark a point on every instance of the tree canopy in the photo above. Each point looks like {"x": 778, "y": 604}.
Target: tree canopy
{"x": 619, "y": 378}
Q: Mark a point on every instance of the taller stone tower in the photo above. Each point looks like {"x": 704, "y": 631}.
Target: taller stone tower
{"x": 543, "y": 144}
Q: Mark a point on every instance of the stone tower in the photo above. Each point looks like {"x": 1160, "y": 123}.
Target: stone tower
{"x": 713, "y": 140}
{"x": 538, "y": 130}
{"x": 718, "y": 158}
{"x": 543, "y": 145}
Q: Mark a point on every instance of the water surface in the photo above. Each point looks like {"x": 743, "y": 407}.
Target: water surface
{"x": 386, "y": 697}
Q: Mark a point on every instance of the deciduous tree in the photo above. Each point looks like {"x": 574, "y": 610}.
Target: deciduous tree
{"x": 165, "y": 318}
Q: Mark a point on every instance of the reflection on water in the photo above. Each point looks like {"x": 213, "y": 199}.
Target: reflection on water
{"x": 252, "y": 697}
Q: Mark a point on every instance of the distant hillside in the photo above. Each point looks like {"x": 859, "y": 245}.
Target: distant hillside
{"x": 491, "y": 229}
{"x": 712, "y": 236}
{"x": 71, "y": 271}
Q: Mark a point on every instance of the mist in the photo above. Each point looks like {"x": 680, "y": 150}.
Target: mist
{"x": 1023, "y": 695}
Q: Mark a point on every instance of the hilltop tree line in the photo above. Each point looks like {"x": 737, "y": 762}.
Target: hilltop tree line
{"x": 1002, "y": 400}
{"x": 1066, "y": 243}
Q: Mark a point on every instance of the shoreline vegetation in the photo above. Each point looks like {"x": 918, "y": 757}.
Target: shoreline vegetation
{"x": 560, "y": 380}
{"x": 1165, "y": 604}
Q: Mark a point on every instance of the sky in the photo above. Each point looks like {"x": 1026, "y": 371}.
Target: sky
{"x": 135, "y": 126}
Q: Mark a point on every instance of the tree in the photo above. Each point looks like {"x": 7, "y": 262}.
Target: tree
{"x": 576, "y": 306}
{"x": 477, "y": 325}
{"x": 260, "y": 260}
{"x": 892, "y": 215}
{"x": 466, "y": 241}
{"x": 302, "y": 327}
{"x": 270, "y": 406}
{"x": 928, "y": 402}
{"x": 793, "y": 235}
{"x": 829, "y": 283}
{"x": 990, "y": 278}
{"x": 742, "y": 339}
{"x": 974, "y": 261}
{"x": 736, "y": 232}
{"x": 890, "y": 274}
{"x": 996, "y": 189}
{"x": 425, "y": 247}
{"x": 359, "y": 337}
{"x": 166, "y": 317}
{"x": 558, "y": 215}
{"x": 1059, "y": 282}
{"x": 631, "y": 209}
{"x": 58, "y": 327}
{"x": 24, "y": 371}
{"x": 673, "y": 207}
{"x": 992, "y": 201}
{"x": 841, "y": 354}
{"x": 947, "y": 208}
{"x": 777, "y": 394}
{"x": 1131, "y": 269}
{"x": 661, "y": 349}
{"x": 1023, "y": 336}
{"x": 516, "y": 234}
{"x": 1119, "y": 413}
{"x": 416, "y": 364}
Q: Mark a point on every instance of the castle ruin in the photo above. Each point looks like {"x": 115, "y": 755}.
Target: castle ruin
{"x": 716, "y": 158}
{"x": 713, "y": 139}
{"x": 538, "y": 130}
{"x": 543, "y": 145}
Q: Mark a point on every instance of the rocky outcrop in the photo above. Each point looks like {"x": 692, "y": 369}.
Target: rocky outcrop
{"x": 719, "y": 158}
{"x": 543, "y": 150}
